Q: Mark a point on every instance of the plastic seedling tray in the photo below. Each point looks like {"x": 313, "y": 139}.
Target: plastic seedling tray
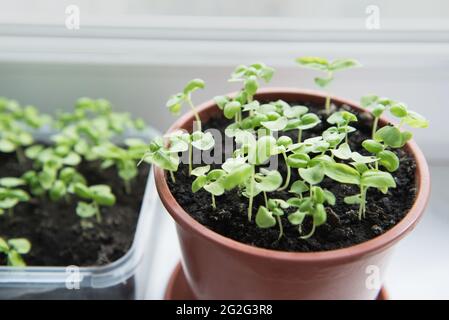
{"x": 125, "y": 278}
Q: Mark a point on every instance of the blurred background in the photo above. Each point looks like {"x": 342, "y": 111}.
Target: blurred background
{"x": 136, "y": 53}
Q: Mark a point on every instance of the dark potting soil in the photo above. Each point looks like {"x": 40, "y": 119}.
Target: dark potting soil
{"x": 55, "y": 231}
{"x": 342, "y": 229}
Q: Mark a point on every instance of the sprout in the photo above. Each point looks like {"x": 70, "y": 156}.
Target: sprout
{"x": 378, "y": 105}
{"x": 300, "y": 120}
{"x": 10, "y": 195}
{"x": 176, "y": 101}
{"x": 342, "y": 119}
{"x": 14, "y": 249}
{"x": 211, "y": 181}
{"x": 181, "y": 141}
{"x": 312, "y": 206}
{"x": 124, "y": 160}
{"x": 329, "y": 67}
{"x": 267, "y": 216}
{"x": 162, "y": 157}
{"x": 361, "y": 176}
{"x": 100, "y": 195}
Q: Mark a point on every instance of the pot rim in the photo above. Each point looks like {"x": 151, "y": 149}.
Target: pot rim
{"x": 371, "y": 246}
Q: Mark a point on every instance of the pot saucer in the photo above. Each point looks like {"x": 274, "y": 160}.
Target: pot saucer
{"x": 178, "y": 288}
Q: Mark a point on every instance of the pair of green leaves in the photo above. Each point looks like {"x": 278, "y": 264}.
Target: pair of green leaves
{"x": 100, "y": 195}
{"x": 344, "y": 173}
{"x": 322, "y": 64}
{"x": 10, "y": 194}
{"x": 211, "y": 181}
{"x": 175, "y": 102}
{"x": 14, "y": 249}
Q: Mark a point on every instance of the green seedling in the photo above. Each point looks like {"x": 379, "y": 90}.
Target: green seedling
{"x": 312, "y": 206}
{"x": 267, "y": 216}
{"x": 256, "y": 152}
{"x": 125, "y": 160}
{"x": 361, "y": 176}
{"x": 176, "y": 101}
{"x": 100, "y": 195}
{"x": 328, "y": 67}
{"x": 14, "y": 249}
{"x": 209, "y": 180}
{"x": 378, "y": 105}
{"x": 342, "y": 119}
{"x": 162, "y": 157}
{"x": 11, "y": 195}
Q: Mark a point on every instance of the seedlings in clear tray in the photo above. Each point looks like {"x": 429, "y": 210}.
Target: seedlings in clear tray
{"x": 329, "y": 68}
{"x": 14, "y": 249}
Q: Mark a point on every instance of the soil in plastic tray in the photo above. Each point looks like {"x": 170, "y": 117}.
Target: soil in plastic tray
{"x": 54, "y": 228}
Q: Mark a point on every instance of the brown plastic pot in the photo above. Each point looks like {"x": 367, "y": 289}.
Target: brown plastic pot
{"x": 217, "y": 267}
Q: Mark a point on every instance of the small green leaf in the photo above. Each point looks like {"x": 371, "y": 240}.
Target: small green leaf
{"x": 276, "y": 125}
{"x": 368, "y": 100}
{"x": 15, "y": 259}
{"x": 358, "y": 158}
{"x": 11, "y": 182}
{"x": 8, "y": 203}
{"x": 202, "y": 140}
{"x": 298, "y": 160}
{"x": 85, "y": 210}
{"x": 415, "y": 120}
{"x": 372, "y": 146}
{"x": 175, "y": 102}
{"x": 221, "y": 101}
{"x": 200, "y": 171}
{"x": 7, "y": 146}
{"x": 399, "y": 110}
{"x": 319, "y": 215}
{"x": 342, "y": 173}
{"x": 21, "y": 245}
{"x": 237, "y": 176}
{"x": 342, "y": 64}
{"x": 297, "y": 217}
{"x": 315, "y": 63}
{"x": 313, "y": 175}
{"x": 33, "y": 151}
{"x": 389, "y": 160}
{"x": 231, "y": 109}
{"x": 298, "y": 187}
{"x": 198, "y": 183}
{"x": 251, "y": 85}
{"x": 264, "y": 218}
{"x": 193, "y": 85}
{"x": 329, "y": 197}
{"x": 355, "y": 199}
{"x": 58, "y": 190}
{"x": 343, "y": 151}
{"x": 378, "y": 179}
{"x": 3, "y": 246}
{"x": 268, "y": 181}
{"x": 83, "y": 191}
{"x": 323, "y": 82}
{"x": 390, "y": 135}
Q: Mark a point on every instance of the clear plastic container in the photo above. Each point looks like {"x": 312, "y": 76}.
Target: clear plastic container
{"x": 127, "y": 278}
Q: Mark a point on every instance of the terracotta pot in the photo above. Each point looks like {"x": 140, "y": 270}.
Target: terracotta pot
{"x": 217, "y": 267}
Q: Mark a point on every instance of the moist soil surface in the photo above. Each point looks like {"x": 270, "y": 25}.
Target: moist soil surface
{"x": 55, "y": 231}
{"x": 342, "y": 229}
